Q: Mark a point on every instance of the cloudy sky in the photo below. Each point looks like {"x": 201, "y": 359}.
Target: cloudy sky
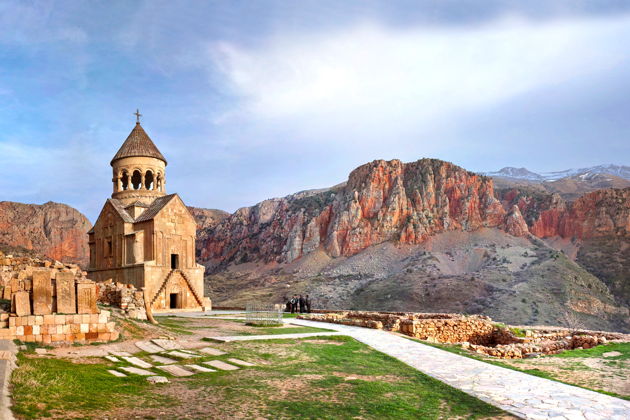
{"x": 252, "y": 100}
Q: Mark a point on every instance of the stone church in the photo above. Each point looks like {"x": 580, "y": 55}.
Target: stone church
{"x": 144, "y": 236}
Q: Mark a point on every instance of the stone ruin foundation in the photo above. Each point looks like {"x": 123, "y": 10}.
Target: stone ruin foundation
{"x": 50, "y": 302}
{"x": 123, "y": 296}
{"x": 474, "y": 332}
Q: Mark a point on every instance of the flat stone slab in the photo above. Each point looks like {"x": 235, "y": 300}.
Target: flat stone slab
{"x": 41, "y": 351}
{"x": 119, "y": 353}
{"x": 167, "y": 344}
{"x": 137, "y": 371}
{"x": 137, "y": 362}
{"x": 189, "y": 352}
{"x": 611, "y": 354}
{"x": 240, "y": 362}
{"x": 182, "y": 355}
{"x": 221, "y": 365}
{"x": 116, "y": 373}
{"x": 228, "y": 338}
{"x": 200, "y": 368}
{"x": 149, "y": 347}
{"x": 112, "y": 359}
{"x": 212, "y": 351}
{"x": 176, "y": 370}
{"x": 158, "y": 379}
{"x": 161, "y": 359}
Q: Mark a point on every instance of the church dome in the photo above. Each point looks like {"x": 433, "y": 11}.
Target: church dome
{"x": 138, "y": 144}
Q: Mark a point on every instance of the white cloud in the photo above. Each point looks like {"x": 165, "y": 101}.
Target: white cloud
{"x": 384, "y": 77}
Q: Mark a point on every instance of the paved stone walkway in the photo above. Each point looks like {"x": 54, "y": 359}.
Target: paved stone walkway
{"x": 524, "y": 395}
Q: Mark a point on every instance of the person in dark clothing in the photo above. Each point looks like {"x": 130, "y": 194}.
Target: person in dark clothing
{"x": 302, "y": 304}
{"x": 293, "y": 303}
{"x": 287, "y": 307}
{"x": 307, "y": 302}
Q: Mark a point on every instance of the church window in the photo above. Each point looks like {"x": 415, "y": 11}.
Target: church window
{"x": 148, "y": 180}
{"x": 125, "y": 180}
{"x": 136, "y": 180}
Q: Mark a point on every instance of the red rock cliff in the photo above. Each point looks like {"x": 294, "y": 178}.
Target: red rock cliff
{"x": 595, "y": 214}
{"x": 381, "y": 201}
{"x": 55, "y": 230}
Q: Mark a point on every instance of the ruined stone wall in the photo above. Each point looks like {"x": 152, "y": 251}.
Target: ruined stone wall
{"x": 124, "y": 296}
{"x": 476, "y": 333}
{"x": 50, "y": 302}
{"x": 56, "y": 328}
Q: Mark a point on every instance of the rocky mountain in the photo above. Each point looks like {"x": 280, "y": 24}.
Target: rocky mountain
{"x": 207, "y": 218}
{"x": 54, "y": 230}
{"x": 620, "y": 171}
{"x": 426, "y": 235}
{"x": 569, "y": 184}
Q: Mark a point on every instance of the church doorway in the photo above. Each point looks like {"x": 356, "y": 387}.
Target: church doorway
{"x": 175, "y": 301}
{"x": 174, "y": 261}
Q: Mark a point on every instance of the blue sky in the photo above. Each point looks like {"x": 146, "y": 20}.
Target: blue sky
{"x": 252, "y": 100}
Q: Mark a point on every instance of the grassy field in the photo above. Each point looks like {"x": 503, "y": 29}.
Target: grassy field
{"x": 586, "y": 368}
{"x": 320, "y": 378}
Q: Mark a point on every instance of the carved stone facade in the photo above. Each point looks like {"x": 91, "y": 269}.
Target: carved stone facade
{"x": 145, "y": 237}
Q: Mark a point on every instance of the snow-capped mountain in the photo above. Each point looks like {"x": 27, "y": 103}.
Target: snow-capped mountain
{"x": 525, "y": 174}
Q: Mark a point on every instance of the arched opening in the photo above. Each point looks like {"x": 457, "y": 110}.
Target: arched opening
{"x": 148, "y": 180}
{"x": 125, "y": 180}
{"x": 136, "y": 180}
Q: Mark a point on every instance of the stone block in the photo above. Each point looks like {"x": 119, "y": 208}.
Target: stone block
{"x": 86, "y": 298}
{"x": 49, "y": 320}
{"x": 19, "y": 330}
{"x": 36, "y": 329}
{"x": 21, "y": 304}
{"x": 42, "y": 292}
{"x": 66, "y": 293}
{"x": 60, "y": 319}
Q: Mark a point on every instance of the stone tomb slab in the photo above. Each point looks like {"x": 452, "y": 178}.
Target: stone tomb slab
{"x": 148, "y": 347}
{"x": 167, "y": 344}
{"x": 176, "y": 370}
{"x": 200, "y": 368}
{"x": 112, "y": 359}
{"x": 22, "y": 303}
{"x": 119, "y": 353}
{"x": 137, "y": 371}
{"x": 66, "y": 294}
{"x": 116, "y": 373}
{"x": 212, "y": 351}
{"x": 221, "y": 365}
{"x": 137, "y": 362}
{"x": 161, "y": 359}
{"x": 42, "y": 292}
{"x": 240, "y": 362}
{"x": 86, "y": 298}
{"x": 182, "y": 355}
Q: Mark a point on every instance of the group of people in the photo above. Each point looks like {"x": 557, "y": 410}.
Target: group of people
{"x": 299, "y": 303}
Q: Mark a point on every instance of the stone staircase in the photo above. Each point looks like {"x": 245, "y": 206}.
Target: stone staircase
{"x": 188, "y": 282}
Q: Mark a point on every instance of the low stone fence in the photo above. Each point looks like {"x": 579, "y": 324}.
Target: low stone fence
{"x": 475, "y": 332}
{"x": 56, "y": 328}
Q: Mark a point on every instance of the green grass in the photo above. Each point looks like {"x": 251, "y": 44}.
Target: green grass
{"x": 42, "y": 387}
{"x": 285, "y": 330}
{"x": 597, "y": 351}
{"x": 335, "y": 377}
{"x": 325, "y": 378}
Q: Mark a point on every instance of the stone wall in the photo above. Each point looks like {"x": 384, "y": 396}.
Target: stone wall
{"x": 50, "y": 302}
{"x": 56, "y": 328}
{"x": 476, "y": 333}
{"x": 124, "y": 296}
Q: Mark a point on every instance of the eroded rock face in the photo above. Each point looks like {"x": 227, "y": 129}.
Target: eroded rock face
{"x": 381, "y": 201}
{"x": 596, "y": 214}
{"x": 55, "y": 230}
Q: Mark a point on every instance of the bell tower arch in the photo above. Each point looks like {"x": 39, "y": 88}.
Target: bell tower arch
{"x": 138, "y": 169}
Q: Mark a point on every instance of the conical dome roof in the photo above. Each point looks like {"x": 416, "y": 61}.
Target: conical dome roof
{"x": 138, "y": 143}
